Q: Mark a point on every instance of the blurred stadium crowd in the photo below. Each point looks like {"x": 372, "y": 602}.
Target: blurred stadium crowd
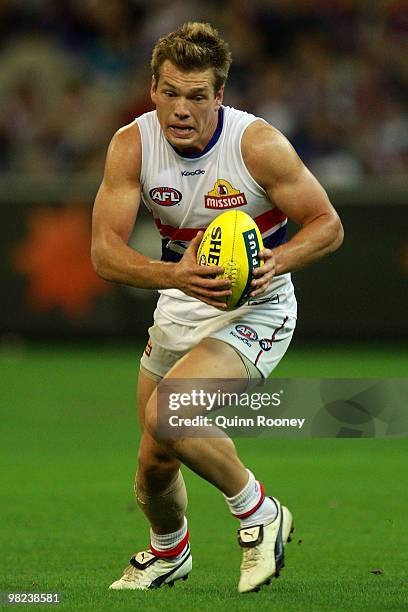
{"x": 333, "y": 76}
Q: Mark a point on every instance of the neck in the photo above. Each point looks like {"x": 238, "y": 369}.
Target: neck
{"x": 215, "y": 132}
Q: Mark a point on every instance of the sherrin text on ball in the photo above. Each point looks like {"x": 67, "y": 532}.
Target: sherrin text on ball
{"x": 233, "y": 241}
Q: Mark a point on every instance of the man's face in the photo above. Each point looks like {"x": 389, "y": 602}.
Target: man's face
{"x": 187, "y": 107}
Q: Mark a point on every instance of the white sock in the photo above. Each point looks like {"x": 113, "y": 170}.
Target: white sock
{"x": 251, "y": 506}
{"x": 170, "y": 545}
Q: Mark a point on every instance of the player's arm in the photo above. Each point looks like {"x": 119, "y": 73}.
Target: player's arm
{"x": 275, "y": 166}
{"x": 114, "y": 215}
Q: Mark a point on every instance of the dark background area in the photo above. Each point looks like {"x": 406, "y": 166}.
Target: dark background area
{"x": 359, "y": 293}
{"x": 331, "y": 75}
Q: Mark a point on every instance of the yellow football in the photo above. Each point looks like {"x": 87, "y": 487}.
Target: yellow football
{"x": 233, "y": 241}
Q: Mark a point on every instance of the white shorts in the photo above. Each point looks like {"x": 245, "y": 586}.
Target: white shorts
{"x": 260, "y": 335}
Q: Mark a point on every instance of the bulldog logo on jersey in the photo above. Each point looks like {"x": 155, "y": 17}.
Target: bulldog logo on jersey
{"x": 224, "y": 195}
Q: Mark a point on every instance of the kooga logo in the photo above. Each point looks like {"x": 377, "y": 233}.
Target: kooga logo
{"x": 194, "y": 173}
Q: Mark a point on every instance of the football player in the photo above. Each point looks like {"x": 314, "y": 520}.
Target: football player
{"x": 187, "y": 161}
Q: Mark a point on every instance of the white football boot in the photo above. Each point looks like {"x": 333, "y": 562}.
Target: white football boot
{"x": 263, "y": 550}
{"x": 146, "y": 571}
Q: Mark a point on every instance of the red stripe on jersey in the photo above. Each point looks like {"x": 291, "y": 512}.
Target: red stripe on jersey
{"x": 255, "y": 508}
{"x": 269, "y": 219}
{"x": 265, "y": 222}
{"x": 177, "y": 233}
{"x": 171, "y": 552}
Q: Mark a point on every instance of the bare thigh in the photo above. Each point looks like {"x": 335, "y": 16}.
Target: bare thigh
{"x": 211, "y": 358}
{"x": 146, "y": 386}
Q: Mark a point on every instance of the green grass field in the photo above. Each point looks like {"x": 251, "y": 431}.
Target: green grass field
{"x": 69, "y": 520}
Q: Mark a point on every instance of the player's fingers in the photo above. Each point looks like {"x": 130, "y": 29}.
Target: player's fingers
{"x": 210, "y": 301}
{"x": 216, "y": 284}
{"x": 190, "y": 254}
{"x": 211, "y": 293}
{"x": 197, "y": 238}
{"x": 208, "y": 270}
{"x": 195, "y": 243}
{"x": 260, "y": 285}
{"x": 258, "y": 291}
{"x": 263, "y": 282}
{"x": 265, "y": 254}
{"x": 267, "y": 274}
{"x": 269, "y": 266}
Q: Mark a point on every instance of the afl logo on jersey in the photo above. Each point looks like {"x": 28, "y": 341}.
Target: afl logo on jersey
{"x": 165, "y": 196}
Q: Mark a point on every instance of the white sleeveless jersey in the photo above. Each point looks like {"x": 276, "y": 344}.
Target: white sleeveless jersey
{"x": 185, "y": 193}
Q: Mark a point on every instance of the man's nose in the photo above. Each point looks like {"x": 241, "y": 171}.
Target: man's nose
{"x": 181, "y": 108}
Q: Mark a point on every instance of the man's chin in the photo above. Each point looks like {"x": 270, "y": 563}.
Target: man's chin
{"x": 183, "y": 144}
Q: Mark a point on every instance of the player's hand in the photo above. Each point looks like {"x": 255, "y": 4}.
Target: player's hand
{"x": 196, "y": 280}
{"x": 262, "y": 276}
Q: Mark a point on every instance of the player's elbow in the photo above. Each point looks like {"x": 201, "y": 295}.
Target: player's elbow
{"x": 99, "y": 260}
{"x": 337, "y": 232}
{"x": 332, "y": 232}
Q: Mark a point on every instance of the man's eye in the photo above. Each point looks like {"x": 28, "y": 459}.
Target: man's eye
{"x": 170, "y": 94}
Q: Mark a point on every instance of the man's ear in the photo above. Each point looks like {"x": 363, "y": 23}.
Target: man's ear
{"x": 219, "y": 97}
{"x": 153, "y": 90}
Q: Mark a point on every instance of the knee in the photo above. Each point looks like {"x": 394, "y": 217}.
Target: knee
{"x": 155, "y": 467}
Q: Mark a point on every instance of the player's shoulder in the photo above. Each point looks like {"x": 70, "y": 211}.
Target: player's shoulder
{"x": 127, "y": 136}
{"x": 266, "y": 151}
{"x": 260, "y": 134}
{"x": 125, "y": 152}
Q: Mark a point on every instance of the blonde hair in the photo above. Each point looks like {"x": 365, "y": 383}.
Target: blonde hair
{"x": 194, "y": 46}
